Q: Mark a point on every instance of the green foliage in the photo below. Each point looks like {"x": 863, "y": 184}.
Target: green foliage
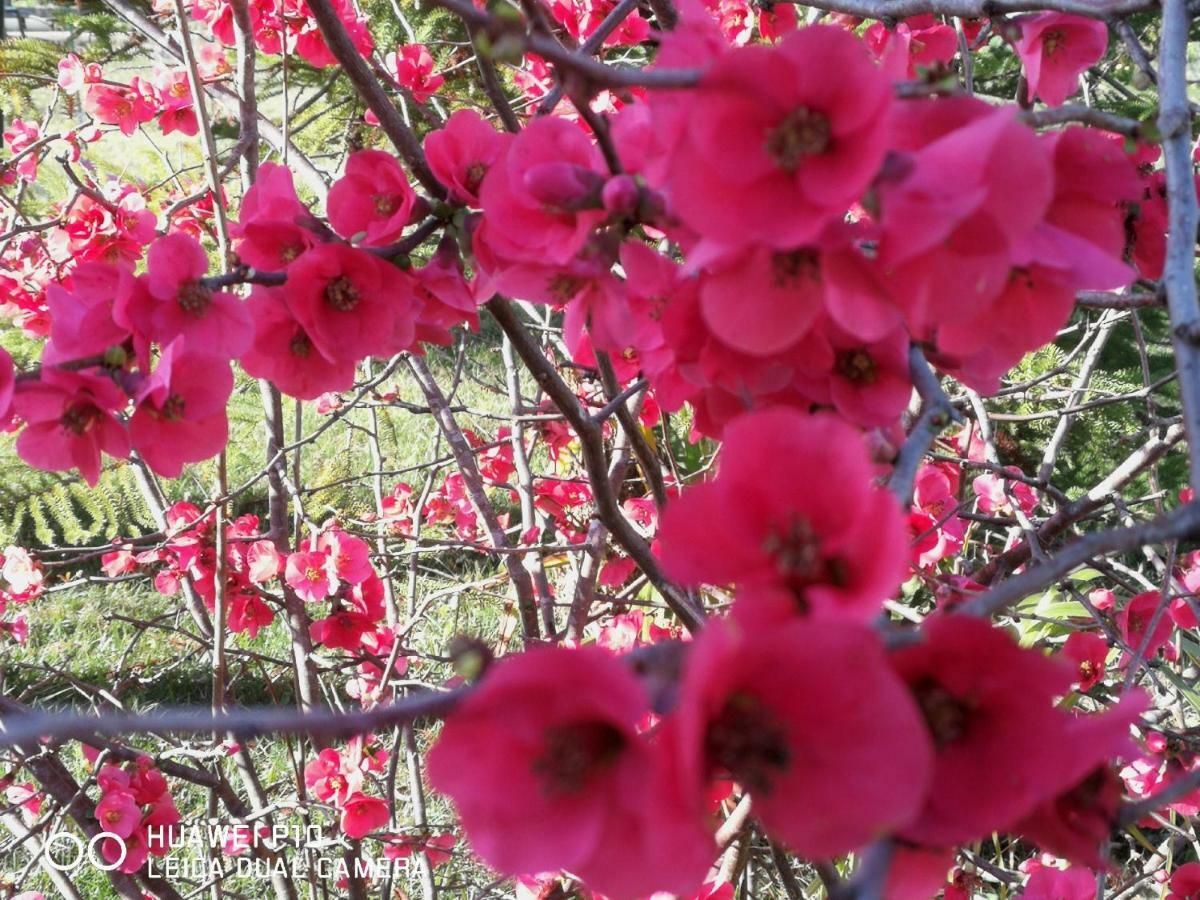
{"x": 25, "y": 64}
{"x": 43, "y": 509}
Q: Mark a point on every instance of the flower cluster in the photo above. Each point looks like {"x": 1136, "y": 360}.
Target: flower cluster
{"x": 938, "y": 743}
{"x": 136, "y": 806}
{"x": 338, "y": 778}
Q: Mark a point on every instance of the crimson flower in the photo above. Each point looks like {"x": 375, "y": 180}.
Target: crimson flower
{"x": 69, "y": 422}
{"x": 832, "y": 763}
{"x": 1089, "y": 652}
{"x": 973, "y": 682}
{"x": 835, "y": 541}
{"x": 373, "y": 201}
{"x": 284, "y": 354}
{"x": 461, "y": 152}
{"x": 1055, "y": 49}
{"x": 778, "y": 141}
{"x": 362, "y": 814}
{"x": 558, "y": 728}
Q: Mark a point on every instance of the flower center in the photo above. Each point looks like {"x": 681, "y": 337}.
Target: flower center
{"x": 290, "y": 252}
{"x": 194, "y": 298}
{"x": 745, "y": 740}
{"x": 791, "y": 268}
{"x": 1051, "y": 41}
{"x": 312, "y": 573}
{"x": 386, "y": 204}
{"x": 173, "y": 408}
{"x": 796, "y": 550}
{"x": 803, "y": 132}
{"x": 341, "y": 294}
{"x": 856, "y": 365}
{"x": 564, "y": 286}
{"x": 575, "y": 753}
{"x": 946, "y": 715}
{"x": 474, "y": 177}
{"x": 300, "y": 345}
{"x": 1086, "y": 669}
{"x": 78, "y": 418}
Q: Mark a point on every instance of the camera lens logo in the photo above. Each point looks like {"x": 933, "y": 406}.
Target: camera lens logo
{"x": 66, "y": 852}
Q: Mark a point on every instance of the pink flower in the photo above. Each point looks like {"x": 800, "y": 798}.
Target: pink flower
{"x": 69, "y": 422}
{"x": 919, "y": 42}
{"x": 119, "y": 813}
{"x": 1077, "y": 823}
{"x": 437, "y": 848}
{"x": 362, "y": 814}
{"x": 558, "y": 727}
{"x": 285, "y": 355}
{"x": 541, "y": 201}
{"x": 20, "y": 136}
{"x": 22, "y": 572}
{"x": 309, "y": 576}
{"x": 180, "y": 416}
{"x": 837, "y": 543}
{"x": 73, "y": 74}
{"x": 82, "y": 319}
{"x": 1048, "y": 882}
{"x": 127, "y": 854}
{"x": 177, "y": 303}
{"x": 262, "y": 562}
{"x": 413, "y": 67}
{"x": 270, "y": 228}
{"x": 1055, "y": 49}
{"x": 951, "y": 223}
{"x": 972, "y": 682}
{"x": 373, "y": 201}
{"x": 869, "y": 385}
{"x": 779, "y": 141}
{"x": 343, "y": 630}
{"x": 331, "y": 778}
{"x": 1185, "y": 882}
{"x": 345, "y": 301}
{"x": 461, "y": 152}
{"x": 349, "y": 556}
{"x": 121, "y": 106}
{"x": 761, "y": 301}
{"x": 756, "y": 703}
{"x": 997, "y": 494}
{"x": 1088, "y": 651}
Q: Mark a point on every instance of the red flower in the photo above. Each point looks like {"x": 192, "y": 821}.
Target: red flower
{"x": 778, "y": 141}
{"x": 835, "y": 541}
{"x": 362, "y": 814}
{"x": 1088, "y": 652}
{"x": 558, "y": 728}
{"x": 832, "y": 763}
{"x": 413, "y": 67}
{"x": 1185, "y": 882}
{"x": 461, "y": 152}
{"x": 284, "y": 354}
{"x": 1055, "y": 49}
{"x": 69, "y": 422}
{"x": 973, "y": 682}
{"x": 341, "y": 297}
{"x": 373, "y": 201}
